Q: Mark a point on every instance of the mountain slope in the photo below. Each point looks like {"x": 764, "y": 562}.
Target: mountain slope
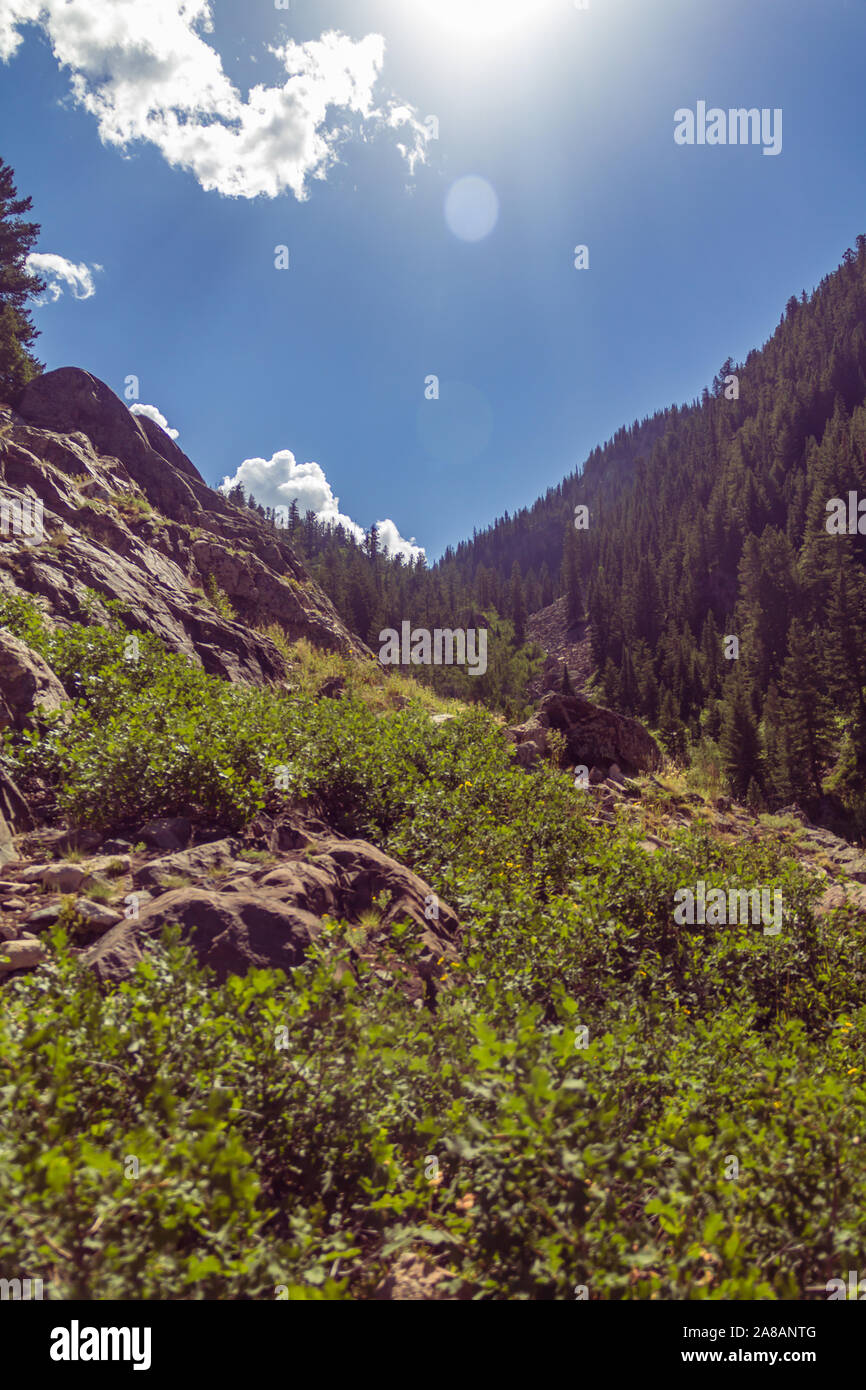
{"x": 709, "y": 523}
{"x": 128, "y": 517}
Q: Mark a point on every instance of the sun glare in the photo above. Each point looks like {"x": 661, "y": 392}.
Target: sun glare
{"x": 481, "y": 19}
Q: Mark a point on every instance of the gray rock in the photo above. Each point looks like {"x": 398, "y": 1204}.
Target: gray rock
{"x": 231, "y": 933}
{"x": 69, "y": 423}
{"x": 107, "y": 865}
{"x": 97, "y": 917}
{"x": 63, "y": 878}
{"x": 594, "y": 734}
{"x": 268, "y": 916}
{"x": 192, "y": 864}
{"x": 334, "y": 688}
{"x": 21, "y": 955}
{"x": 57, "y": 842}
{"x": 14, "y": 817}
{"x": 28, "y": 686}
{"x": 116, "y": 847}
{"x": 168, "y": 833}
{"x": 526, "y": 755}
{"x": 43, "y": 918}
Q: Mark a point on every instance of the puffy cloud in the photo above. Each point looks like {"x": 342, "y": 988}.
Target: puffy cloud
{"x": 391, "y": 540}
{"x": 280, "y": 480}
{"x": 156, "y": 416}
{"x": 146, "y": 72}
{"x": 59, "y": 274}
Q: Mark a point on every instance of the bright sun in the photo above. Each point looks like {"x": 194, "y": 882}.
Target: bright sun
{"x": 481, "y": 19}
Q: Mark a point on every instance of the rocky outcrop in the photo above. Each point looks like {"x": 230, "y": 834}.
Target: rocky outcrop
{"x": 14, "y": 817}
{"x": 566, "y": 644}
{"x": 28, "y": 686}
{"x": 127, "y": 516}
{"x": 594, "y": 737}
{"x": 237, "y": 915}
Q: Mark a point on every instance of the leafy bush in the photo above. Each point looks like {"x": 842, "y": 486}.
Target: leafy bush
{"x": 600, "y": 1098}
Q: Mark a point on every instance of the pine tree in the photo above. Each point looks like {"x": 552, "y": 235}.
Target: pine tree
{"x": 806, "y": 710}
{"x": 17, "y": 285}
{"x": 518, "y": 606}
{"x": 739, "y": 745}
{"x": 755, "y": 797}
{"x": 571, "y": 578}
{"x": 672, "y": 731}
{"x": 610, "y": 684}
{"x": 776, "y": 758}
{"x": 546, "y": 585}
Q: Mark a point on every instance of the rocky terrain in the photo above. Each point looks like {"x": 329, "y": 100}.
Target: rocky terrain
{"x": 128, "y": 517}
{"x": 427, "y": 903}
{"x": 565, "y": 645}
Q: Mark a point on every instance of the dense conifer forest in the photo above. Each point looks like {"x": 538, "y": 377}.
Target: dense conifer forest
{"x": 706, "y": 522}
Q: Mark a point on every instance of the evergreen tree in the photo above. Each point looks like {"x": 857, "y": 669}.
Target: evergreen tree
{"x": 806, "y": 710}
{"x": 739, "y": 745}
{"x": 518, "y": 606}
{"x": 18, "y": 285}
{"x": 571, "y": 577}
{"x": 672, "y": 731}
{"x": 776, "y": 758}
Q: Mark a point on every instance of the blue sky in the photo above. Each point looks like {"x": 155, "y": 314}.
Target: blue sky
{"x": 132, "y": 127}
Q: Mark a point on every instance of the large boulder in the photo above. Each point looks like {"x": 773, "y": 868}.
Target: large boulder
{"x": 594, "y": 736}
{"x": 231, "y": 932}
{"x": 236, "y": 915}
{"x": 28, "y": 686}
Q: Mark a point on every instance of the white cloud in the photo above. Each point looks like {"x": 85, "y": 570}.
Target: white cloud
{"x": 156, "y": 416}
{"x": 280, "y": 480}
{"x": 145, "y": 72}
{"x": 391, "y": 540}
{"x": 59, "y": 274}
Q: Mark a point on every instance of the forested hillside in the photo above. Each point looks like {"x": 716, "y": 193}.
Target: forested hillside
{"x": 704, "y": 523}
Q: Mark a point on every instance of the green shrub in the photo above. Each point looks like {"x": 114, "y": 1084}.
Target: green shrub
{"x": 600, "y": 1097}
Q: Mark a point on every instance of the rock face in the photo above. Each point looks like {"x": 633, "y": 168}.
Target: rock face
{"x": 14, "y": 817}
{"x": 127, "y": 515}
{"x": 594, "y": 737}
{"x": 28, "y": 686}
{"x": 236, "y": 915}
